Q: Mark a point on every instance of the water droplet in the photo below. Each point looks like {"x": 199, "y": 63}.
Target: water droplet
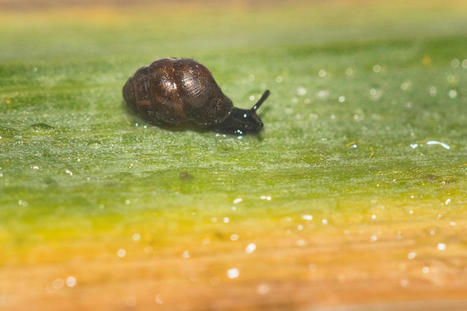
{"x": 263, "y": 289}
{"x": 234, "y": 237}
{"x": 136, "y": 236}
{"x": 451, "y": 79}
{"x": 414, "y": 146}
{"x": 452, "y": 94}
{"x": 377, "y": 68}
{"x": 324, "y": 221}
{"x": 406, "y": 85}
{"x": 313, "y": 116}
{"x": 322, "y": 73}
{"x": 301, "y": 242}
{"x": 158, "y": 300}
{"x": 441, "y": 246}
{"x": 425, "y": 270}
{"x": 301, "y": 91}
{"x": 447, "y": 201}
{"x": 250, "y": 248}
{"x": 435, "y": 142}
{"x": 233, "y": 273}
{"x": 375, "y": 94}
{"x": 226, "y": 220}
{"x": 307, "y": 217}
{"x": 252, "y": 98}
{"x": 94, "y": 145}
{"x": 373, "y": 216}
{"x": 237, "y": 200}
{"x": 411, "y": 255}
{"x": 121, "y": 253}
{"x": 323, "y": 94}
{"x": 58, "y": 284}
{"x": 38, "y": 127}
{"x": 455, "y": 63}
{"x": 67, "y": 171}
{"x": 300, "y": 227}
{"x": 186, "y": 254}
{"x": 374, "y": 238}
{"x": 71, "y": 281}
{"x": 341, "y": 99}
{"x": 35, "y": 167}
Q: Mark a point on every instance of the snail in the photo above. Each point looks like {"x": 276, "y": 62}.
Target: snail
{"x": 179, "y": 92}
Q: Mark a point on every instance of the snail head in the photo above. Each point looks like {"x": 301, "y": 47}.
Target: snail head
{"x": 244, "y": 121}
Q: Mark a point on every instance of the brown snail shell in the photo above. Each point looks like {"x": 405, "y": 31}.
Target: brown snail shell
{"x": 178, "y": 91}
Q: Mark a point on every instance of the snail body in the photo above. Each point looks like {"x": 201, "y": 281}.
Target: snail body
{"x": 177, "y": 92}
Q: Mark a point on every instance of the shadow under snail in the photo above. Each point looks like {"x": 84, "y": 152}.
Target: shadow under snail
{"x": 178, "y": 92}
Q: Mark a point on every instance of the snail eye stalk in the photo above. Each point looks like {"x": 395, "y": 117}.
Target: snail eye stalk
{"x": 260, "y": 101}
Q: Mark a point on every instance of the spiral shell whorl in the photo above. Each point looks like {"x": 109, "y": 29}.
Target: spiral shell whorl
{"x": 176, "y": 91}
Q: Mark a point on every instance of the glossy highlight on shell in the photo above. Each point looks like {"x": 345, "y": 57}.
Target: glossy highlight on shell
{"x": 175, "y": 92}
